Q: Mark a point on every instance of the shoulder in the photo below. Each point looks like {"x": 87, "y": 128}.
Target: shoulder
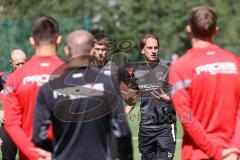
{"x": 164, "y": 62}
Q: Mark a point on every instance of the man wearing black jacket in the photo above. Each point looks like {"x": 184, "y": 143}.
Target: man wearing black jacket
{"x": 82, "y": 106}
{"x": 157, "y": 128}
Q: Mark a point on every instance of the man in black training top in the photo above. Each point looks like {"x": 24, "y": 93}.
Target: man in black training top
{"x": 80, "y": 105}
{"x": 157, "y": 128}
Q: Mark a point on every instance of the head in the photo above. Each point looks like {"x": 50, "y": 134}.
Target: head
{"x": 202, "y": 22}
{"x": 17, "y": 58}
{"x": 149, "y": 46}
{"x": 45, "y": 31}
{"x": 101, "y": 43}
{"x": 79, "y": 43}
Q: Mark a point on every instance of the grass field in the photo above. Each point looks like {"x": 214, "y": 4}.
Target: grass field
{"x": 133, "y": 119}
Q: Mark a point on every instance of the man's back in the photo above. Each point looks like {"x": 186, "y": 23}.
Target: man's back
{"x": 208, "y": 80}
{"x": 81, "y": 112}
{"x": 24, "y": 83}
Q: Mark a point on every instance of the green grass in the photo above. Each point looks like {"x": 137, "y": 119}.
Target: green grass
{"x": 134, "y": 118}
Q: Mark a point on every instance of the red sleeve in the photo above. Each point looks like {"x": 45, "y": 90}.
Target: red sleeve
{"x": 181, "y": 98}
{"x": 236, "y": 135}
{"x": 13, "y": 120}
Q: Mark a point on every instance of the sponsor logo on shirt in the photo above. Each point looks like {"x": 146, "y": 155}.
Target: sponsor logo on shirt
{"x": 77, "y": 92}
{"x": 217, "y": 68}
{"x": 36, "y": 79}
{"x": 148, "y": 87}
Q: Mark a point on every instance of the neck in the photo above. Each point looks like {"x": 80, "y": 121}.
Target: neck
{"x": 201, "y": 43}
{"x": 151, "y": 64}
{"x": 99, "y": 63}
{"x": 46, "y": 50}
{"x": 79, "y": 61}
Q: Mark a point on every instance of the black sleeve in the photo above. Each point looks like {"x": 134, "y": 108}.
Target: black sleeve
{"x": 124, "y": 76}
{"x": 120, "y": 130}
{"x": 42, "y": 120}
{"x": 1, "y": 83}
{"x": 134, "y": 89}
{"x": 168, "y": 88}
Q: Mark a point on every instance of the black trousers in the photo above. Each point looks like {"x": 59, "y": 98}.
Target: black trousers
{"x": 157, "y": 143}
{"x": 9, "y": 149}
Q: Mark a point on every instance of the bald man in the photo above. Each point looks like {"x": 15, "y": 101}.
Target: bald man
{"x": 18, "y": 58}
{"x": 8, "y": 148}
{"x": 82, "y": 106}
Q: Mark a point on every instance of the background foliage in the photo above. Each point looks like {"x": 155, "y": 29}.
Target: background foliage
{"x": 124, "y": 20}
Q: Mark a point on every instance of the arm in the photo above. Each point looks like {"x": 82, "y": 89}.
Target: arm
{"x": 181, "y": 98}
{"x": 42, "y": 121}
{"x": 119, "y": 128}
{"x": 128, "y": 109}
{"x": 133, "y": 94}
{"x": 236, "y": 135}
{"x": 124, "y": 76}
{"x": 13, "y": 120}
{"x": 122, "y": 134}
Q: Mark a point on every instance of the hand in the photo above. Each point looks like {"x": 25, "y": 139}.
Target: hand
{"x": 2, "y": 116}
{"x": 128, "y": 109}
{"x": 131, "y": 97}
{"x": 161, "y": 96}
{"x": 44, "y": 155}
{"x": 231, "y": 154}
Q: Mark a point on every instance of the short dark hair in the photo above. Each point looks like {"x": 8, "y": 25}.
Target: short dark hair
{"x": 203, "y": 21}
{"x": 101, "y": 39}
{"x": 142, "y": 41}
{"x": 45, "y": 29}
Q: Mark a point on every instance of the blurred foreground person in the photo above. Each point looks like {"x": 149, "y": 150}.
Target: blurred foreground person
{"x": 206, "y": 92}
{"x": 83, "y": 108}
{"x": 23, "y": 84}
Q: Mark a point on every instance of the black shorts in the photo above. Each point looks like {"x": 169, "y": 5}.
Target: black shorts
{"x": 157, "y": 143}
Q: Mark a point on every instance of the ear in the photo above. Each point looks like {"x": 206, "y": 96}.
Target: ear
{"x": 10, "y": 61}
{"x": 67, "y": 51}
{"x": 32, "y": 42}
{"x": 91, "y": 51}
{"x": 189, "y": 30}
{"x": 58, "y": 40}
{"x": 215, "y": 31}
{"x": 142, "y": 51}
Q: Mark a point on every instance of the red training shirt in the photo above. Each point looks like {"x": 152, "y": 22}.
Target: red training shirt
{"x": 206, "y": 97}
{"x": 21, "y": 91}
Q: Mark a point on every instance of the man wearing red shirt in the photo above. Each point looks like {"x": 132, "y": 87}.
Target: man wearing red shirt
{"x": 206, "y": 92}
{"x": 22, "y": 86}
